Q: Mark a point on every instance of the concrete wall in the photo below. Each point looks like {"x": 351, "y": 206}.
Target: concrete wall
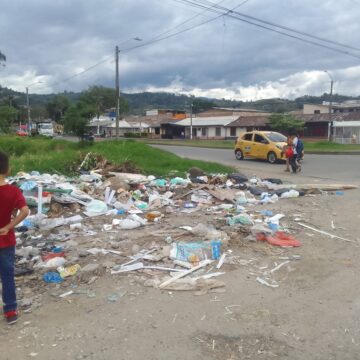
{"x": 311, "y": 108}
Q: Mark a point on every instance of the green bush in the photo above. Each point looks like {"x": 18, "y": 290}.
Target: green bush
{"x": 136, "y": 135}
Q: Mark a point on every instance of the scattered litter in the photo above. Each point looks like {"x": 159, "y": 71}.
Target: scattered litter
{"x": 325, "y": 233}
{"x": 52, "y": 277}
{"x": 290, "y": 257}
{"x": 279, "y": 239}
{"x": 68, "y": 271}
{"x": 106, "y": 221}
{"x": 116, "y": 296}
{"x": 264, "y": 282}
{"x": 66, "y": 294}
{"x": 276, "y": 268}
{"x": 185, "y": 273}
{"x": 221, "y": 261}
{"x": 127, "y": 268}
{"x": 195, "y": 252}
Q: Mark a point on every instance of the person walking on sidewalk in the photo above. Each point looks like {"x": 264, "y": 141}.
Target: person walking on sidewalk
{"x": 13, "y": 210}
{"x": 298, "y": 148}
{"x": 288, "y": 153}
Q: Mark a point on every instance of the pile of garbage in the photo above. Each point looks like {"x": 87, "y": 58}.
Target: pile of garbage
{"x": 115, "y": 223}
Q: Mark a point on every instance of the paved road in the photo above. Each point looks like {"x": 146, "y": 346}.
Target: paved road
{"x": 344, "y": 168}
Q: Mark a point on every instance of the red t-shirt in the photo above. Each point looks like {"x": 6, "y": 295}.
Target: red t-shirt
{"x": 11, "y": 198}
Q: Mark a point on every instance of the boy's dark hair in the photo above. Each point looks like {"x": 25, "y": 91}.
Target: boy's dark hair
{"x": 4, "y": 163}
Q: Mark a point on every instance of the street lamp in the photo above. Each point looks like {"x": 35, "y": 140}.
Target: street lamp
{"x": 28, "y": 104}
{"x": 117, "y": 82}
{"x": 330, "y": 103}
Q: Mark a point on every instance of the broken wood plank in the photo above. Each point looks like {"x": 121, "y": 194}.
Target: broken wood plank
{"x": 222, "y": 194}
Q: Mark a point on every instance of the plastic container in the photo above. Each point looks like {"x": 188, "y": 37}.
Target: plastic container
{"x": 196, "y": 251}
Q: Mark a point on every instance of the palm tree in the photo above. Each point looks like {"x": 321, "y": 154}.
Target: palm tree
{"x": 2, "y": 57}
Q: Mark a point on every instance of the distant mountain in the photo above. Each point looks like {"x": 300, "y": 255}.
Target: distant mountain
{"x": 140, "y": 102}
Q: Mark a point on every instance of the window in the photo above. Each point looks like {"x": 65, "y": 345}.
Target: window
{"x": 259, "y": 139}
{"x": 276, "y": 137}
{"x": 247, "y": 137}
{"x": 233, "y": 131}
{"x": 46, "y": 126}
{"x": 203, "y": 132}
{"x": 218, "y": 131}
{"x": 316, "y": 111}
{"x": 157, "y": 131}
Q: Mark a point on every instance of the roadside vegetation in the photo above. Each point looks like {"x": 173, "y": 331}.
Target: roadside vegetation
{"x": 59, "y": 156}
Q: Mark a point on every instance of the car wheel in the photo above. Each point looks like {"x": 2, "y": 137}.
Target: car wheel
{"x": 272, "y": 157}
{"x": 239, "y": 155}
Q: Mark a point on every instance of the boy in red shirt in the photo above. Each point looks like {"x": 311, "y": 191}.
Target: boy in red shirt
{"x": 11, "y": 202}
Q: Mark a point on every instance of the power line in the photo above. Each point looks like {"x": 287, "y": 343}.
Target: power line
{"x": 187, "y": 21}
{"x": 150, "y": 42}
{"x": 281, "y": 26}
{"x": 84, "y": 71}
{"x": 155, "y": 39}
{"x": 234, "y": 16}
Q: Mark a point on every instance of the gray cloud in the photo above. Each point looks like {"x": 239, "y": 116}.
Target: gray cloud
{"x": 50, "y": 41}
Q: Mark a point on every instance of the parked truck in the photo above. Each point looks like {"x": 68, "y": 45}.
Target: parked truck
{"x": 44, "y": 128}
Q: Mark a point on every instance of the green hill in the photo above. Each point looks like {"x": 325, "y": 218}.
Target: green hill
{"x": 139, "y": 102}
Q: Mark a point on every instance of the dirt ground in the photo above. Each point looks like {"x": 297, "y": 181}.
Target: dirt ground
{"x": 313, "y": 314}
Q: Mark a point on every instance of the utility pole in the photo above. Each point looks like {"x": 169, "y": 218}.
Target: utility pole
{"x": 28, "y": 110}
{"x": 191, "y": 125}
{"x": 117, "y": 90}
{"x": 330, "y": 110}
{"x": 330, "y": 106}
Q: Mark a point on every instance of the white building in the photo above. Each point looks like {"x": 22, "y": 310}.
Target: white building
{"x": 208, "y": 127}
{"x": 106, "y": 126}
{"x": 347, "y": 132}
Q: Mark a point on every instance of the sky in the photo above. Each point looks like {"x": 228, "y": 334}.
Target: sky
{"x": 48, "y": 42}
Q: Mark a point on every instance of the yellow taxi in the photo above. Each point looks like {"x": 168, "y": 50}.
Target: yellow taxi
{"x": 266, "y": 145}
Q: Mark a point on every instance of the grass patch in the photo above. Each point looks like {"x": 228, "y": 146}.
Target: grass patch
{"x": 46, "y": 155}
{"x": 216, "y": 144}
{"x": 327, "y": 146}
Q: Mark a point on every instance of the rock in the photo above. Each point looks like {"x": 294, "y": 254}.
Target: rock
{"x": 71, "y": 244}
{"x": 90, "y": 267}
{"x": 26, "y": 302}
{"x": 165, "y": 251}
{"x": 92, "y": 280}
{"x": 56, "y": 209}
{"x": 169, "y": 210}
{"x": 114, "y": 244}
{"x": 195, "y": 172}
{"x": 118, "y": 184}
{"x": 73, "y": 259}
{"x": 83, "y": 253}
{"x": 108, "y": 264}
{"x": 135, "y": 249}
{"x": 75, "y": 207}
{"x": 152, "y": 283}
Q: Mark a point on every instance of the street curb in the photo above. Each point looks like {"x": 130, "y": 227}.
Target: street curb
{"x": 354, "y": 152}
